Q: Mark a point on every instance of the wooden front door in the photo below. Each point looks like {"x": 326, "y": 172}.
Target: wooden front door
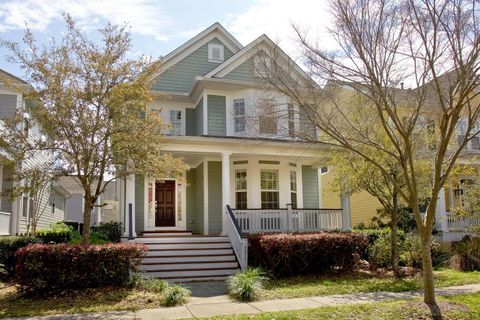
{"x": 165, "y": 203}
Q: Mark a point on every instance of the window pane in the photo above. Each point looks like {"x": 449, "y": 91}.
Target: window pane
{"x": 293, "y": 199}
{"x": 241, "y": 180}
{"x": 293, "y": 181}
{"x": 270, "y": 200}
{"x": 241, "y": 200}
{"x": 239, "y": 115}
{"x": 175, "y": 122}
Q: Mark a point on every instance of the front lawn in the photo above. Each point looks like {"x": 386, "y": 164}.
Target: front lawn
{"x": 461, "y": 307}
{"x": 88, "y": 300}
{"x": 296, "y": 287}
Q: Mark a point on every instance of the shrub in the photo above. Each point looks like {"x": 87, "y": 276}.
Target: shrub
{"x": 44, "y": 268}
{"x": 145, "y": 282}
{"x": 8, "y": 247}
{"x": 296, "y": 254}
{"x": 175, "y": 295}
{"x": 109, "y": 231}
{"x": 246, "y": 285}
{"x": 59, "y": 233}
{"x": 380, "y": 252}
{"x": 466, "y": 254}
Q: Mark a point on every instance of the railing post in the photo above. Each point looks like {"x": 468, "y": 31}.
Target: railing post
{"x": 289, "y": 218}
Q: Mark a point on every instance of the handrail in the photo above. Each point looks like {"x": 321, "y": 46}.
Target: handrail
{"x": 237, "y": 239}
{"x": 235, "y": 222}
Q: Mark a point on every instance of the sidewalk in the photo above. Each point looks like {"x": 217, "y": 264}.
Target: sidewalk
{"x": 203, "y": 304}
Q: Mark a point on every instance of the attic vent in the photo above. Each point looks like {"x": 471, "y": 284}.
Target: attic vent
{"x": 215, "y": 53}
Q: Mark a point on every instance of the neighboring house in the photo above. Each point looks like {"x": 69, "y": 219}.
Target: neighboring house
{"x": 14, "y": 215}
{"x": 363, "y": 206}
{"x": 224, "y": 125}
{"x": 106, "y": 211}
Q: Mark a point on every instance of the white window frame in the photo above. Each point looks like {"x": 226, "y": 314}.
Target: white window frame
{"x": 221, "y": 48}
{"x": 241, "y": 190}
{"x": 237, "y": 116}
{"x": 294, "y": 183}
{"x": 173, "y": 130}
{"x": 277, "y": 189}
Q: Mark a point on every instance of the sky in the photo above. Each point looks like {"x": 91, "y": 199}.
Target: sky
{"x": 159, "y": 26}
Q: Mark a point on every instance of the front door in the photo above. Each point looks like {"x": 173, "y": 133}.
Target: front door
{"x": 165, "y": 203}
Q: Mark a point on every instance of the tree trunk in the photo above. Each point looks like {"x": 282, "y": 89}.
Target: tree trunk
{"x": 394, "y": 253}
{"x": 428, "y": 279}
{"x": 87, "y": 214}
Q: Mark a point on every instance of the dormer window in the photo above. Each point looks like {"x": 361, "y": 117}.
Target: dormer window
{"x": 215, "y": 53}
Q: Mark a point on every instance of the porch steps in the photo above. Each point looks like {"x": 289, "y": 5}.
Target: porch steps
{"x": 187, "y": 258}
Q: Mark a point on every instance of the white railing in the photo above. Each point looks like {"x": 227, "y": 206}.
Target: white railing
{"x": 288, "y": 220}
{"x": 5, "y": 218}
{"x": 239, "y": 243}
{"x": 462, "y": 224}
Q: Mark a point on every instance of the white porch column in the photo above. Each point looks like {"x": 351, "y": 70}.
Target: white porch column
{"x": 346, "y": 216}
{"x": 225, "y": 189}
{"x": 441, "y": 212}
{"x": 129, "y": 198}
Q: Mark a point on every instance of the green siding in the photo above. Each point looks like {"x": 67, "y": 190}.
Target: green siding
{"x": 180, "y": 77}
{"x": 139, "y": 203}
{"x": 214, "y": 197}
{"x": 244, "y": 72}
{"x": 199, "y": 118}
{"x": 190, "y": 125}
{"x": 216, "y": 115}
{"x": 310, "y": 187}
{"x": 195, "y": 200}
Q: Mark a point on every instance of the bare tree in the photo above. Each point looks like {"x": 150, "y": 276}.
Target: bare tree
{"x": 433, "y": 47}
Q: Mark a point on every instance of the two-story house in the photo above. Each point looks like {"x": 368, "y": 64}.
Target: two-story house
{"x": 15, "y": 214}
{"x": 238, "y": 138}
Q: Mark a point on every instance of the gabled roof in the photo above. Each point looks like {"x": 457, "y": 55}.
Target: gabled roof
{"x": 4, "y": 74}
{"x": 262, "y": 42}
{"x": 191, "y": 45}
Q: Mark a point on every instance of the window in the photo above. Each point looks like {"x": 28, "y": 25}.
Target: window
{"x": 291, "y": 121}
{"x": 175, "y": 122}
{"x": 239, "y": 115}
{"x": 215, "y": 53}
{"x": 25, "y": 207}
{"x": 324, "y": 170}
{"x": 240, "y": 189}
{"x": 261, "y": 64}
{"x": 267, "y": 118}
{"x": 269, "y": 189}
{"x": 53, "y": 203}
{"x": 293, "y": 189}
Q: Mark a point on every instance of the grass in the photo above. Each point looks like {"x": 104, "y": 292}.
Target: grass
{"x": 462, "y": 307}
{"x": 360, "y": 282}
{"x": 88, "y": 300}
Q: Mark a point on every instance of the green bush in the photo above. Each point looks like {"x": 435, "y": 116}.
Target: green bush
{"x": 109, "y": 231}
{"x": 59, "y": 233}
{"x": 175, "y": 295}
{"x": 246, "y": 285}
{"x": 379, "y": 252}
{"x": 8, "y": 247}
{"x": 466, "y": 254}
{"x": 147, "y": 283}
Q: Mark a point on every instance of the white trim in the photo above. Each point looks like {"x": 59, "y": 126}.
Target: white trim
{"x": 205, "y": 197}
{"x": 221, "y": 51}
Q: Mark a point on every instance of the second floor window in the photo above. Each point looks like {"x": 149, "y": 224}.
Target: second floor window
{"x": 291, "y": 121}
{"x": 239, "y": 115}
{"x": 215, "y": 53}
{"x": 175, "y": 122}
{"x": 267, "y": 119}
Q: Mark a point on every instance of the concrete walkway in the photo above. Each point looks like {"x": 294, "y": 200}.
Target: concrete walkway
{"x": 209, "y": 299}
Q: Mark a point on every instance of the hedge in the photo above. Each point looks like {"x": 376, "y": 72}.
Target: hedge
{"x": 42, "y": 268}
{"x": 8, "y": 246}
{"x": 466, "y": 254}
{"x": 301, "y": 254}
{"x": 110, "y": 231}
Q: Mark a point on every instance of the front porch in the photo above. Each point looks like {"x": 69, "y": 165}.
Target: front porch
{"x": 266, "y": 194}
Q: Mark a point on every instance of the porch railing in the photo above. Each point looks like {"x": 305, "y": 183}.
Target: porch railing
{"x": 461, "y": 224}
{"x": 238, "y": 241}
{"x": 5, "y": 218}
{"x": 288, "y": 220}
